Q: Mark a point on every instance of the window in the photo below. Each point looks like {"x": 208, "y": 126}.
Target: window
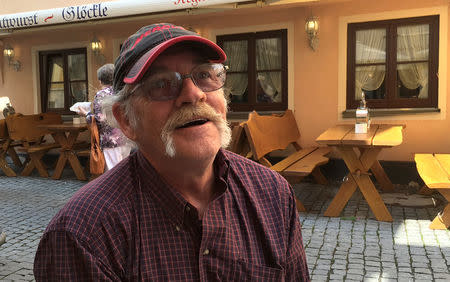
{"x": 257, "y": 74}
{"x": 394, "y": 63}
{"x": 63, "y": 75}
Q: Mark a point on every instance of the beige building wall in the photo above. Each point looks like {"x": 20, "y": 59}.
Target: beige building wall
{"x": 316, "y": 78}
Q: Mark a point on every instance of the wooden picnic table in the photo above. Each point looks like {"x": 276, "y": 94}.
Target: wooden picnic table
{"x": 434, "y": 169}
{"x": 360, "y": 152}
{"x": 66, "y": 135}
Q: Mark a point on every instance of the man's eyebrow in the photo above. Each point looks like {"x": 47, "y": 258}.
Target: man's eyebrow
{"x": 155, "y": 69}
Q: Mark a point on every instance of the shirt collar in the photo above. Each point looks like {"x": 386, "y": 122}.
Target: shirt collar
{"x": 170, "y": 200}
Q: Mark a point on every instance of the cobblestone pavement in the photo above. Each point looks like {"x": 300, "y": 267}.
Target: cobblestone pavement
{"x": 353, "y": 247}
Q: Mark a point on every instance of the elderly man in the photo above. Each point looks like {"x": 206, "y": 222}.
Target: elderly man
{"x": 181, "y": 207}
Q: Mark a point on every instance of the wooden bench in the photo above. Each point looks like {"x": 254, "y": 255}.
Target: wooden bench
{"x": 25, "y": 129}
{"x": 7, "y": 147}
{"x": 434, "y": 169}
{"x": 267, "y": 134}
{"x": 239, "y": 143}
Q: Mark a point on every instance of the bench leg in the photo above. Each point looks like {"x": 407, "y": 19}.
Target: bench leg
{"x": 6, "y": 169}
{"x": 29, "y": 167}
{"x": 442, "y": 220}
{"x": 300, "y": 206}
{"x": 425, "y": 191}
{"x": 318, "y": 176}
{"x": 296, "y": 179}
{"x": 13, "y": 155}
{"x": 36, "y": 158}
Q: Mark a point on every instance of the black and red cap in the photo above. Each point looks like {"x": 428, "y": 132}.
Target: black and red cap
{"x": 141, "y": 49}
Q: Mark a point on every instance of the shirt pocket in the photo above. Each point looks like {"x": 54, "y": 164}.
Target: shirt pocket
{"x": 245, "y": 271}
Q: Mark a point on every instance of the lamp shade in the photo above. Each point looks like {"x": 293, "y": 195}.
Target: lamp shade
{"x": 8, "y": 52}
{"x": 96, "y": 45}
{"x": 312, "y": 26}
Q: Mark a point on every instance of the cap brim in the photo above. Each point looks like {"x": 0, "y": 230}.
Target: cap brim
{"x": 217, "y": 55}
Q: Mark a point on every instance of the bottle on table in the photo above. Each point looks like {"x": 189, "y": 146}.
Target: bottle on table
{"x": 362, "y": 116}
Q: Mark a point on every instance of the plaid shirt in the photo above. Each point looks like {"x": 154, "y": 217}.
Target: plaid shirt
{"x": 129, "y": 225}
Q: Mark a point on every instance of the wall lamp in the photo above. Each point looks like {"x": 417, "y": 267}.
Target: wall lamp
{"x": 8, "y": 52}
{"x": 96, "y": 47}
{"x": 312, "y": 29}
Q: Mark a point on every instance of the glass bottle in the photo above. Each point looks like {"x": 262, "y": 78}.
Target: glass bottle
{"x": 362, "y": 116}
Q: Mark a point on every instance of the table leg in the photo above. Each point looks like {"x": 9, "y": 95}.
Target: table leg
{"x": 76, "y": 166}
{"x": 67, "y": 154}
{"x": 382, "y": 178}
{"x": 60, "y": 165}
{"x": 359, "y": 176}
{"x": 373, "y": 198}
{"x": 343, "y": 195}
{"x": 369, "y": 155}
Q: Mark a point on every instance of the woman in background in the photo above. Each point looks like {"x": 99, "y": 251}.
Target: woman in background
{"x": 112, "y": 141}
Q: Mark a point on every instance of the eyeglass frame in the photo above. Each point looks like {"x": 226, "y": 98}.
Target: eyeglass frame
{"x": 181, "y": 78}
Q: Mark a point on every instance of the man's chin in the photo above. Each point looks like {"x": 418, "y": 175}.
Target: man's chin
{"x": 194, "y": 149}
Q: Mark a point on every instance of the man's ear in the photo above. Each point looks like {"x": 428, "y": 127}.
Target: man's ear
{"x": 123, "y": 122}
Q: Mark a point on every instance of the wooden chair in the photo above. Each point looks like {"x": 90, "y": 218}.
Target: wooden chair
{"x": 25, "y": 129}
{"x": 239, "y": 143}
{"x": 434, "y": 169}
{"x": 7, "y": 147}
{"x": 267, "y": 134}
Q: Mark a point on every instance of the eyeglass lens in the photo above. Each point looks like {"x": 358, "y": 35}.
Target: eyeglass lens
{"x": 167, "y": 85}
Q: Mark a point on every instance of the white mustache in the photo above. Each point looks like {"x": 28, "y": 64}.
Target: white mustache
{"x": 189, "y": 113}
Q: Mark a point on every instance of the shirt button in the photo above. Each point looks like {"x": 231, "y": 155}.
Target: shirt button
{"x": 177, "y": 228}
{"x": 206, "y": 252}
{"x": 188, "y": 209}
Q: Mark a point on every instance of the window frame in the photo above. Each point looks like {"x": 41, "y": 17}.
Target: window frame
{"x": 251, "y": 38}
{"x": 44, "y": 76}
{"x": 390, "y": 101}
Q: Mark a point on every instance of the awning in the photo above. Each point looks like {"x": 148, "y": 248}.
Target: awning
{"x": 100, "y": 11}
{"x": 120, "y": 8}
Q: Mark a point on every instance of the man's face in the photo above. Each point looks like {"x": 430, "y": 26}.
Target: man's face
{"x": 192, "y": 126}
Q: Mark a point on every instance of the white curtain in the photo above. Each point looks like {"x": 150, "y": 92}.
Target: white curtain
{"x": 268, "y": 56}
{"x": 237, "y": 61}
{"x": 370, "y": 48}
{"x": 412, "y": 45}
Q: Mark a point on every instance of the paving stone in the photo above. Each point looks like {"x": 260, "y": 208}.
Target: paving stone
{"x": 422, "y": 270}
{"x": 336, "y": 277}
{"x": 358, "y": 271}
{"x": 354, "y": 277}
{"x": 337, "y": 249}
{"x": 422, "y": 277}
{"x": 319, "y": 278}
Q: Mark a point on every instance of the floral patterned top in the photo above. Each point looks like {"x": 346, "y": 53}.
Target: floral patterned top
{"x": 109, "y": 137}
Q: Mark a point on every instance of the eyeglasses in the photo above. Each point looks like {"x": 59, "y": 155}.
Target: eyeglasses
{"x": 167, "y": 85}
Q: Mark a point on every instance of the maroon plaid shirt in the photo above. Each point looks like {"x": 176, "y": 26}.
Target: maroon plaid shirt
{"x": 129, "y": 225}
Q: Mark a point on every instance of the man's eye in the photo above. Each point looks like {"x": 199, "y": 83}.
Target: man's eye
{"x": 203, "y": 75}
{"x": 159, "y": 84}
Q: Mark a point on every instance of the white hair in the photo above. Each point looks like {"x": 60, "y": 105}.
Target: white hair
{"x": 126, "y": 102}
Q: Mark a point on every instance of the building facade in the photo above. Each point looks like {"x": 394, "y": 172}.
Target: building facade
{"x": 395, "y": 52}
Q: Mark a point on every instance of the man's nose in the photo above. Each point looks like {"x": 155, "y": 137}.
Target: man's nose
{"x": 190, "y": 93}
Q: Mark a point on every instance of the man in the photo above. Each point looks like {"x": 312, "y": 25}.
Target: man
{"x": 181, "y": 208}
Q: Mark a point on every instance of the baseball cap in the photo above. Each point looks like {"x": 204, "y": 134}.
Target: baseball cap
{"x": 141, "y": 49}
